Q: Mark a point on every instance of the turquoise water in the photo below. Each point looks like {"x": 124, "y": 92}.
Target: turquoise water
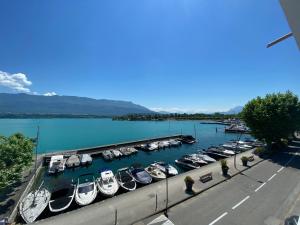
{"x": 66, "y": 134}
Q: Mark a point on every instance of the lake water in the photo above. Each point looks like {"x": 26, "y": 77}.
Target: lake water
{"x": 66, "y": 134}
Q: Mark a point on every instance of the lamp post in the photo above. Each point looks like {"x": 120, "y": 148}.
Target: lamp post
{"x": 167, "y": 192}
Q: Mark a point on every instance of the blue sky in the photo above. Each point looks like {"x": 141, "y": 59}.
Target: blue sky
{"x": 188, "y": 55}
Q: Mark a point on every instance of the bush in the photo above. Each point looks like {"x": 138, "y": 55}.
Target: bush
{"x": 224, "y": 164}
{"x": 244, "y": 159}
{"x": 259, "y": 151}
{"x": 188, "y": 179}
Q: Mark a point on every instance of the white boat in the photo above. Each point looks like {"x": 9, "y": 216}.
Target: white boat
{"x": 206, "y": 158}
{"x": 85, "y": 159}
{"x": 166, "y": 168}
{"x": 195, "y": 158}
{"x": 62, "y": 198}
{"x": 57, "y": 164}
{"x": 73, "y": 161}
{"x": 174, "y": 142}
{"x": 125, "y": 180}
{"x": 107, "y": 155}
{"x": 116, "y": 153}
{"x": 163, "y": 144}
{"x": 155, "y": 173}
{"x": 86, "y": 190}
{"x": 229, "y": 152}
{"x": 34, "y": 204}
{"x": 153, "y": 146}
{"x": 107, "y": 183}
{"x": 187, "y": 163}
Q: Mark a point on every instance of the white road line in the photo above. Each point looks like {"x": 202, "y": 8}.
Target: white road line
{"x": 220, "y": 217}
{"x": 278, "y": 171}
{"x": 257, "y": 189}
{"x": 272, "y": 177}
{"x": 241, "y": 202}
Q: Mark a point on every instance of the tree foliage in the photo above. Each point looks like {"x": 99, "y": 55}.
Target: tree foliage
{"x": 273, "y": 117}
{"x": 16, "y": 153}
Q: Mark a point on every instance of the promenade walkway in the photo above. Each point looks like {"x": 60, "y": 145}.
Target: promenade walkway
{"x": 131, "y": 207}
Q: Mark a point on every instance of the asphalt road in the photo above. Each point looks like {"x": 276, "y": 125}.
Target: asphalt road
{"x": 262, "y": 195}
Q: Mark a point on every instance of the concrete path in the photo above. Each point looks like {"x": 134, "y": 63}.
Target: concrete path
{"x": 131, "y": 207}
{"x": 265, "y": 194}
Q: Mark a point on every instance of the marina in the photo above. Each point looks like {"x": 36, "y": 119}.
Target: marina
{"x": 96, "y": 185}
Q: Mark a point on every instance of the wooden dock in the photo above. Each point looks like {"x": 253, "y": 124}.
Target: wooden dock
{"x": 97, "y": 150}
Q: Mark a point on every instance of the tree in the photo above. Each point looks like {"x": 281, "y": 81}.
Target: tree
{"x": 273, "y": 117}
{"x": 16, "y": 153}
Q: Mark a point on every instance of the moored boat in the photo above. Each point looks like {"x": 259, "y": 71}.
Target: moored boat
{"x": 116, "y": 153}
{"x": 187, "y": 163}
{"x": 107, "y": 155}
{"x": 73, "y": 161}
{"x": 140, "y": 175}
{"x": 188, "y": 139}
{"x": 107, "y": 183}
{"x": 155, "y": 173}
{"x": 166, "y": 168}
{"x": 34, "y": 204}
{"x": 86, "y": 190}
{"x": 57, "y": 164}
{"x": 85, "y": 159}
{"x": 62, "y": 198}
{"x": 125, "y": 180}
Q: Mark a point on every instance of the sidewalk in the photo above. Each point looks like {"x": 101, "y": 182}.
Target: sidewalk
{"x": 134, "y": 206}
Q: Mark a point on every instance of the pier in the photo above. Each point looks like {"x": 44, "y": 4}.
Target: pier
{"x": 97, "y": 150}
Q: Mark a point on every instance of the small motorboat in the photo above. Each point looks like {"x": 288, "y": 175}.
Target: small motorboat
{"x": 107, "y": 155}
{"x": 86, "y": 159}
{"x": 187, "y": 163}
{"x": 153, "y": 146}
{"x": 188, "y": 139}
{"x": 86, "y": 190}
{"x": 205, "y": 157}
{"x": 73, "y": 161}
{"x": 195, "y": 158}
{"x": 163, "y": 144}
{"x": 34, "y": 204}
{"x": 116, "y": 153}
{"x": 174, "y": 143}
{"x": 107, "y": 183}
{"x": 140, "y": 175}
{"x": 57, "y": 164}
{"x": 155, "y": 173}
{"x": 166, "y": 168}
{"x": 62, "y": 198}
{"x": 125, "y": 180}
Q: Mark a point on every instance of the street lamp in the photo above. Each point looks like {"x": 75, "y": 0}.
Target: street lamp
{"x": 167, "y": 192}
{"x": 235, "y": 151}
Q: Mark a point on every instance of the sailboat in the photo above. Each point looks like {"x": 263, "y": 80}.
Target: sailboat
{"x": 34, "y": 204}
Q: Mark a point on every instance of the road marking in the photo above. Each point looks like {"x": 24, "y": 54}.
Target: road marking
{"x": 220, "y": 217}
{"x": 272, "y": 177}
{"x": 241, "y": 202}
{"x": 257, "y": 189}
{"x": 278, "y": 171}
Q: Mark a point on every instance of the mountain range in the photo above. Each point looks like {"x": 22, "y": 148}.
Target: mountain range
{"x": 66, "y": 105}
